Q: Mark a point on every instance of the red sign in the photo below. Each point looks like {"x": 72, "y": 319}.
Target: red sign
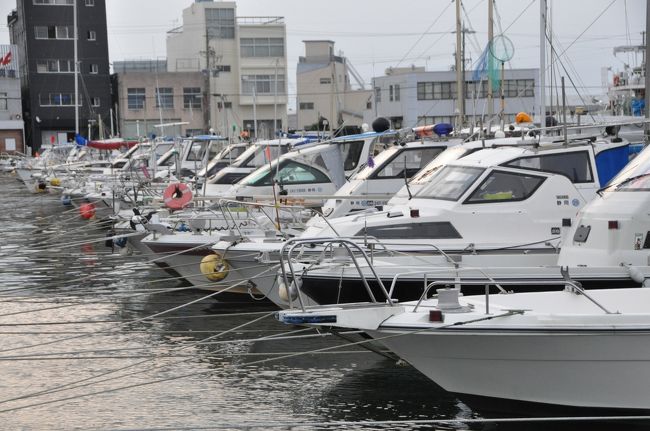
{"x": 6, "y": 59}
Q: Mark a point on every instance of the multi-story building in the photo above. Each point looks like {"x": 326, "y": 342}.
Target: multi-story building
{"x": 243, "y": 63}
{"x": 44, "y": 32}
{"x": 324, "y": 89}
{"x": 411, "y": 96}
{"x": 153, "y": 101}
{"x": 11, "y": 112}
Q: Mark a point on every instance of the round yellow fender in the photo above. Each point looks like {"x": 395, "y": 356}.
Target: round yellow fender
{"x": 55, "y": 182}
{"x": 213, "y": 267}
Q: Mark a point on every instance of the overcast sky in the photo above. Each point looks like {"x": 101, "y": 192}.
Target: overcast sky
{"x": 376, "y": 34}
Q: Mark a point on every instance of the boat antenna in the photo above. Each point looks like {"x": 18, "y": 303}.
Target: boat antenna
{"x": 406, "y": 180}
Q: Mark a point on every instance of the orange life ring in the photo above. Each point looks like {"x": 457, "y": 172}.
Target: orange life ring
{"x": 176, "y": 196}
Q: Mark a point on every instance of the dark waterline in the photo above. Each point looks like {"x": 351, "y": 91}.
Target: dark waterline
{"x": 69, "y": 314}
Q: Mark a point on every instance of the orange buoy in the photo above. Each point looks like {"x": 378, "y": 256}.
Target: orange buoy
{"x": 522, "y": 117}
{"x": 177, "y": 196}
{"x": 87, "y": 211}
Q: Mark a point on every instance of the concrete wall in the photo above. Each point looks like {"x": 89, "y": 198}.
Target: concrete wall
{"x": 145, "y": 119}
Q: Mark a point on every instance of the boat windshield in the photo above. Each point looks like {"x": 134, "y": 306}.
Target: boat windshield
{"x": 451, "y": 154}
{"x": 450, "y": 183}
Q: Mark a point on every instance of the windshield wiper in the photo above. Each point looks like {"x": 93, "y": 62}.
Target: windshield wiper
{"x": 622, "y": 183}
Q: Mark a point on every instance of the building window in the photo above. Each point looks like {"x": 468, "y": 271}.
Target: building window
{"x": 54, "y": 66}
{"x": 397, "y": 92}
{"x": 54, "y": 2}
{"x": 95, "y": 101}
{"x": 165, "y": 98}
{"x": 436, "y": 90}
{"x": 326, "y": 80}
{"x": 262, "y": 47}
{"x": 94, "y": 68}
{"x": 377, "y": 94}
{"x": 306, "y": 105}
{"x": 227, "y": 105}
{"x": 4, "y": 99}
{"x": 135, "y": 98}
{"x": 262, "y": 84}
{"x": 476, "y": 89}
{"x": 92, "y": 35}
{"x": 428, "y": 120}
{"x": 90, "y": 2}
{"x": 57, "y": 99}
{"x": 220, "y": 23}
{"x": 53, "y": 32}
{"x": 390, "y": 93}
{"x": 222, "y": 68}
{"x": 519, "y": 88}
{"x": 192, "y": 98}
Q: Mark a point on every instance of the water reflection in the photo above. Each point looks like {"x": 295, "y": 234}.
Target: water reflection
{"x": 77, "y": 316}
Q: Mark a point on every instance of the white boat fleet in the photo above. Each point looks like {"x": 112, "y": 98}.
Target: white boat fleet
{"x": 510, "y": 268}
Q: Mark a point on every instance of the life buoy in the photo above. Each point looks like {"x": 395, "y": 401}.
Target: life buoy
{"x": 176, "y": 196}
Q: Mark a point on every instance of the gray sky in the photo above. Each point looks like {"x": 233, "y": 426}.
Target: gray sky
{"x": 376, "y": 34}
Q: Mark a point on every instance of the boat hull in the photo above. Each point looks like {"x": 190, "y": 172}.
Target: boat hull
{"x": 596, "y": 369}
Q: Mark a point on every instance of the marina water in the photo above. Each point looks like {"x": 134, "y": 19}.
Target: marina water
{"x": 92, "y": 339}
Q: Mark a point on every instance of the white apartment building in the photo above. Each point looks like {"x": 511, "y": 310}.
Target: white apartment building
{"x": 324, "y": 88}
{"x": 243, "y": 62}
{"x": 412, "y": 97}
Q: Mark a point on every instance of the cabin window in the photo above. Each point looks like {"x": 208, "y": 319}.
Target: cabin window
{"x": 432, "y": 230}
{"x": 290, "y": 172}
{"x": 505, "y": 187}
{"x": 576, "y": 165}
{"x": 196, "y": 152}
{"x": 231, "y": 178}
{"x": 351, "y": 152}
{"x": 450, "y": 183}
{"x": 259, "y": 158}
{"x": 407, "y": 163}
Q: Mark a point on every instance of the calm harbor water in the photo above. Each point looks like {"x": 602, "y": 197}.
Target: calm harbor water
{"x": 95, "y": 340}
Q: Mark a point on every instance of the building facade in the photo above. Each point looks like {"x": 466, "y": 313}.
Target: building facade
{"x": 411, "y": 97}
{"x": 153, "y": 101}
{"x": 243, "y": 64}
{"x": 44, "y": 32}
{"x": 324, "y": 89}
{"x": 11, "y": 112}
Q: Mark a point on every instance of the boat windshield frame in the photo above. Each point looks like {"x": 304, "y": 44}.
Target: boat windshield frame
{"x": 445, "y": 176}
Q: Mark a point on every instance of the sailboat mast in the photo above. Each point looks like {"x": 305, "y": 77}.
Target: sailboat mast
{"x": 542, "y": 65}
{"x": 490, "y": 95}
{"x": 460, "y": 79}
{"x": 76, "y": 67}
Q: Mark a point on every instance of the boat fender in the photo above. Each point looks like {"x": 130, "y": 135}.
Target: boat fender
{"x": 41, "y": 187}
{"x": 292, "y": 292}
{"x": 177, "y": 196}
{"x": 56, "y": 182}
{"x": 65, "y": 200}
{"x": 87, "y": 211}
{"x": 636, "y": 275}
{"x": 213, "y": 267}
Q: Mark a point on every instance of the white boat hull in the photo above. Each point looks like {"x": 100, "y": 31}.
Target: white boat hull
{"x": 600, "y": 369}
